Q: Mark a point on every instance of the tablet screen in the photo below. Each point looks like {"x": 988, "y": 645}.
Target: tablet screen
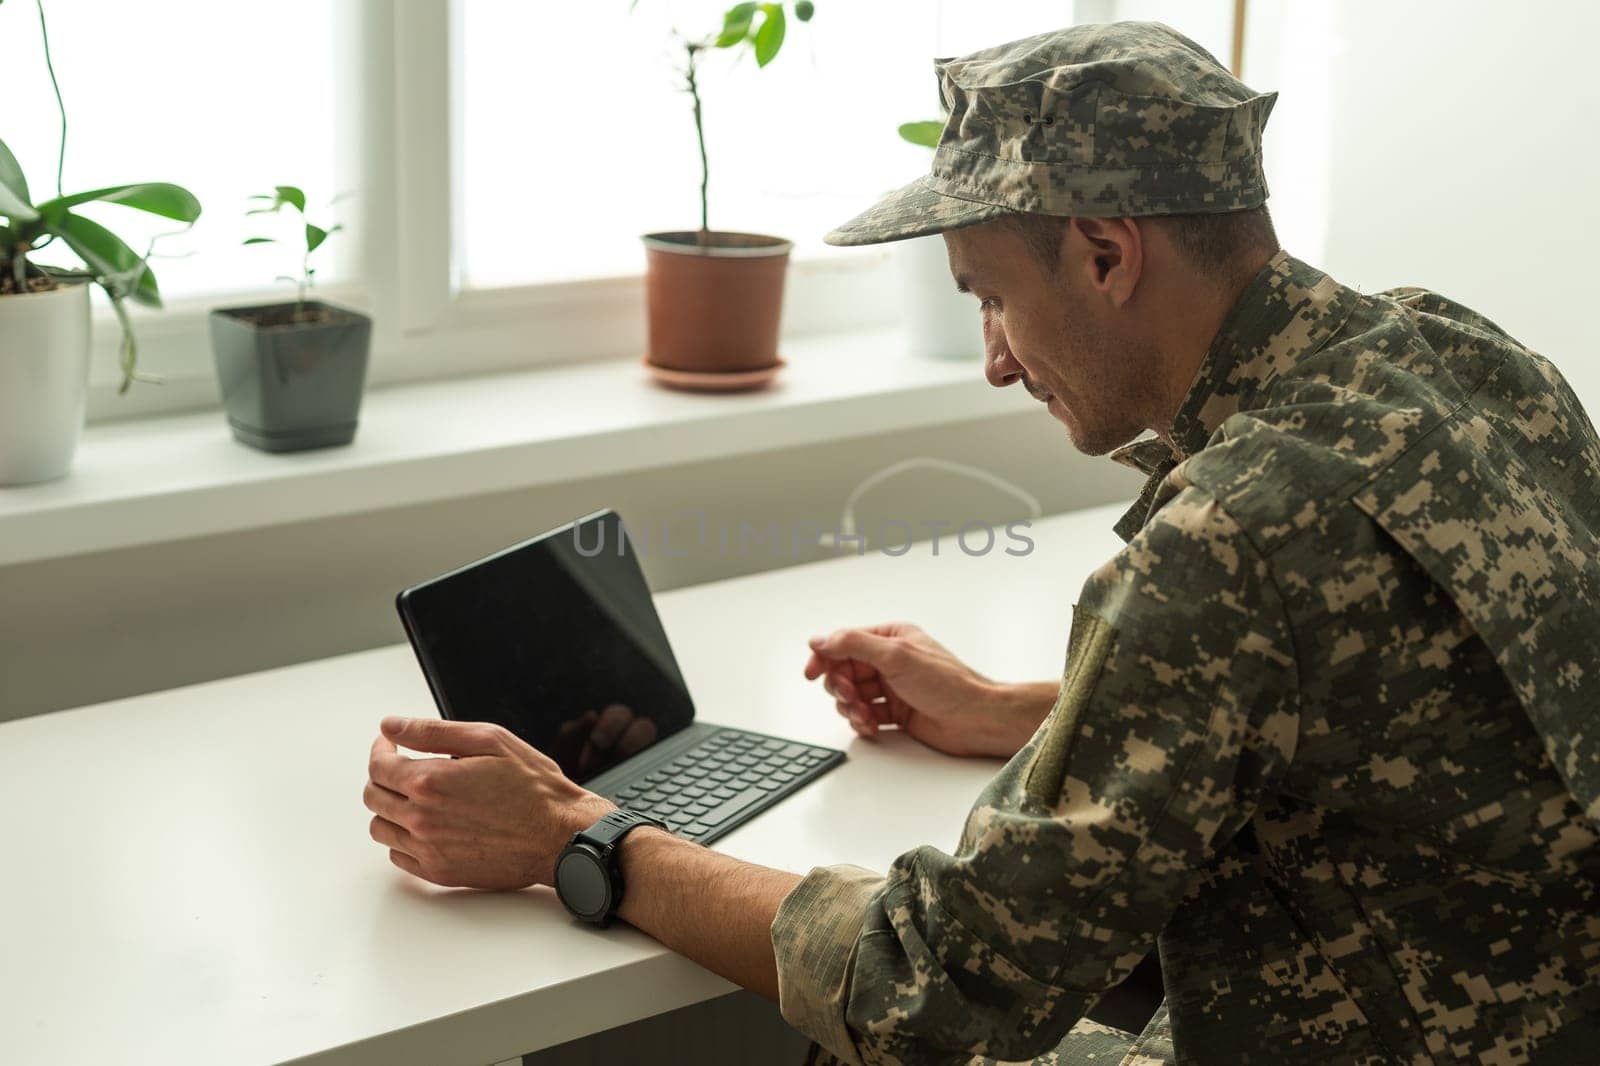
{"x": 557, "y": 640}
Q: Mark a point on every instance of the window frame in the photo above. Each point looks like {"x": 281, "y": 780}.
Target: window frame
{"x": 397, "y": 103}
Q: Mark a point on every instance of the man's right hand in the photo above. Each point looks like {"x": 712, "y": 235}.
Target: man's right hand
{"x": 896, "y": 675}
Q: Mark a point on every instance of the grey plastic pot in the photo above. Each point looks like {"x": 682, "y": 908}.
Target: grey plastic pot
{"x": 291, "y": 385}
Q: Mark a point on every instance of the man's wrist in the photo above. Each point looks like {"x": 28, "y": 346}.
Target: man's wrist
{"x": 583, "y": 813}
{"x": 640, "y": 850}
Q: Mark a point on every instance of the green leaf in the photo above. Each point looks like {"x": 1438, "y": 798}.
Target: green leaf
{"x": 315, "y": 235}
{"x": 14, "y": 188}
{"x": 923, "y": 134}
{"x": 260, "y": 240}
{"x": 736, "y": 25}
{"x": 15, "y": 207}
{"x": 155, "y": 197}
{"x": 289, "y": 194}
{"x": 118, "y": 267}
{"x": 804, "y": 9}
{"x": 769, "y": 38}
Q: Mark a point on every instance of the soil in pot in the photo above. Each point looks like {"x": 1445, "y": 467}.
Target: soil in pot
{"x": 312, "y": 312}
{"x": 715, "y": 299}
{"x": 41, "y": 283}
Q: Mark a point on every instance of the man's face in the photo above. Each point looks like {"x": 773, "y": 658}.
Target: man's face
{"x": 1051, "y": 331}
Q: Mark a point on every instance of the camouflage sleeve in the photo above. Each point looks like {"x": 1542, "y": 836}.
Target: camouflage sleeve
{"x": 1178, "y": 707}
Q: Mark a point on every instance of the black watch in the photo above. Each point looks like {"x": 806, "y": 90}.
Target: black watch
{"x": 588, "y": 878}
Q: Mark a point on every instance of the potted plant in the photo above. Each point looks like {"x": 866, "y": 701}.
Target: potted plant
{"x": 44, "y": 309}
{"x": 941, "y": 323}
{"x": 715, "y": 297}
{"x": 292, "y": 374}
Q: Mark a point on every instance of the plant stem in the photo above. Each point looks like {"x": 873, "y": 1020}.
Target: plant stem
{"x": 700, "y": 134}
{"x": 129, "y": 349}
{"x": 61, "y": 108}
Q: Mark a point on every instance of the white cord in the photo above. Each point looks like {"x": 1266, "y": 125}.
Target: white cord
{"x": 847, "y": 518}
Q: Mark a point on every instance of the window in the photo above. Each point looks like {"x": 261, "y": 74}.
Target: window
{"x": 506, "y": 155}
{"x": 222, "y": 101}
{"x": 575, "y": 139}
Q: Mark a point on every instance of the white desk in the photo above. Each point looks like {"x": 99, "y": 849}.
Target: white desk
{"x": 187, "y": 876}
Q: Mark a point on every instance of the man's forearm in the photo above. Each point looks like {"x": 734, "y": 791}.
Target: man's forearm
{"x": 718, "y": 911}
{"x": 1015, "y": 714}
{"x": 713, "y": 909}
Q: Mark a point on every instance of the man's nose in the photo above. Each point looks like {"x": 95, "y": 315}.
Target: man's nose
{"x": 999, "y": 365}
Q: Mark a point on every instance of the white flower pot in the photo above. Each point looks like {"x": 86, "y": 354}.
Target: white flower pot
{"x": 44, "y": 382}
{"x": 940, "y": 322}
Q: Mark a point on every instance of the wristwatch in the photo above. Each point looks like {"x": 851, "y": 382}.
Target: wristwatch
{"x": 588, "y": 877}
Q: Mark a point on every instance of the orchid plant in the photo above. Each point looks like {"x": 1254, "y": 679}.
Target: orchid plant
{"x": 28, "y": 226}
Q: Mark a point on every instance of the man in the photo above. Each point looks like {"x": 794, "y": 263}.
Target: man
{"x": 1327, "y": 729}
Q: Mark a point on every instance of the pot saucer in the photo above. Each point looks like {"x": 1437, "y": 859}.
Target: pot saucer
{"x": 714, "y": 381}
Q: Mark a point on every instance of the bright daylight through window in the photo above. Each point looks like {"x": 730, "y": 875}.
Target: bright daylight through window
{"x": 575, "y": 139}
{"x": 186, "y": 91}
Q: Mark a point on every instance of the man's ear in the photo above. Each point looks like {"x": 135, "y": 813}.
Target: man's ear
{"x": 1111, "y": 255}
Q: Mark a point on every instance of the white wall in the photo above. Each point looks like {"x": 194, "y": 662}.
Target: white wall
{"x": 95, "y": 627}
{"x": 1438, "y": 143}
{"x": 1465, "y": 151}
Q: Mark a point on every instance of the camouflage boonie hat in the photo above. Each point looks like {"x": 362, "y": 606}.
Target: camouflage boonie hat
{"x": 1127, "y": 118}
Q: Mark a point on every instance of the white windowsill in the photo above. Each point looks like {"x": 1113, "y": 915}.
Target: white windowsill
{"x": 163, "y": 479}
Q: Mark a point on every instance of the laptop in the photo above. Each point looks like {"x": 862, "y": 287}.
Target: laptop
{"x": 557, "y": 639}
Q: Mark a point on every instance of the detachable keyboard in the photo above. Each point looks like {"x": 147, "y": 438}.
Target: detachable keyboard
{"x": 723, "y": 781}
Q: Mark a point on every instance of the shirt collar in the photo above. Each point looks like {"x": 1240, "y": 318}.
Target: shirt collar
{"x": 1288, "y": 311}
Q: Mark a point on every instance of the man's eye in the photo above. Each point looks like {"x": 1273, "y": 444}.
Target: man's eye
{"x": 990, "y": 304}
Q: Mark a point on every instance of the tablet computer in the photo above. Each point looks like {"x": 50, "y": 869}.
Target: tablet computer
{"x": 557, "y": 639}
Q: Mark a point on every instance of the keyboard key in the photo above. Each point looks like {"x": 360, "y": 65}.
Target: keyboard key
{"x": 772, "y": 745}
{"x": 732, "y": 807}
{"x": 792, "y": 750}
{"x": 696, "y": 829}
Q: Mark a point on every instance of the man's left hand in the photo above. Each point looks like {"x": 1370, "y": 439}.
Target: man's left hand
{"x": 494, "y": 817}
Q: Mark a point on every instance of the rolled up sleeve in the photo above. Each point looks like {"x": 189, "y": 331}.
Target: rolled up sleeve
{"x": 1178, "y": 709}
{"x": 814, "y": 938}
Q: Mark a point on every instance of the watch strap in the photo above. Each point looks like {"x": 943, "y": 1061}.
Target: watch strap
{"x": 605, "y": 833}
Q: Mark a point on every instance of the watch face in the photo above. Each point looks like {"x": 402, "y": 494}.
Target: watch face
{"x": 582, "y": 884}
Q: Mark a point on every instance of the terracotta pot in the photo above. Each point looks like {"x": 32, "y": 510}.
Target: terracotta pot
{"x": 714, "y": 306}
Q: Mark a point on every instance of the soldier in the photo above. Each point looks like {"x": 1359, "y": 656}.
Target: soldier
{"x": 1327, "y": 732}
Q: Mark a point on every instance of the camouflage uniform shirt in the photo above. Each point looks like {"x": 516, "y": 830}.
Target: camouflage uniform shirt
{"x": 1326, "y": 736}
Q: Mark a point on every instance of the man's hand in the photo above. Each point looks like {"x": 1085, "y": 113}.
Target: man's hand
{"x": 895, "y": 674}
{"x": 495, "y": 817}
